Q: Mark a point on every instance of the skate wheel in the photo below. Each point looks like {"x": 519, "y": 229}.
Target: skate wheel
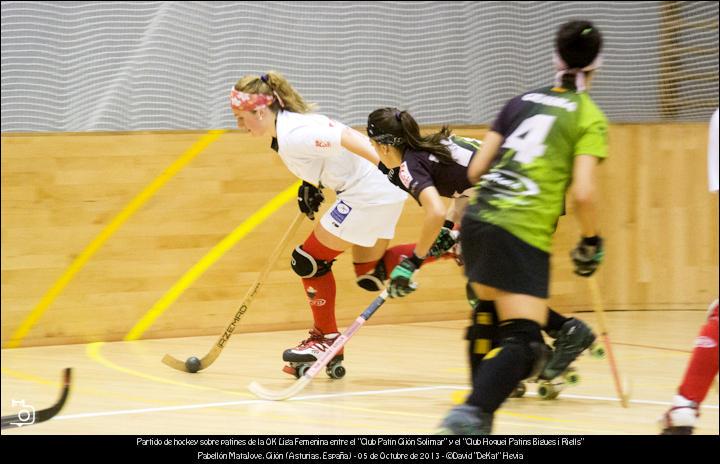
{"x": 519, "y": 391}
{"x": 547, "y": 391}
{"x": 597, "y": 351}
{"x": 336, "y": 371}
{"x": 572, "y": 377}
{"x": 300, "y": 370}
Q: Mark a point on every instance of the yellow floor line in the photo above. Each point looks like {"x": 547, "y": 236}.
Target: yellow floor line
{"x": 93, "y": 351}
{"x": 209, "y": 259}
{"x": 107, "y": 232}
{"x": 77, "y": 389}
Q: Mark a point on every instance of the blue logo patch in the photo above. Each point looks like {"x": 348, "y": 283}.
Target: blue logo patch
{"x": 340, "y": 212}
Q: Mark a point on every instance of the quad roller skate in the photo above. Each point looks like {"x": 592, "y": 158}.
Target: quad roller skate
{"x": 550, "y": 389}
{"x": 571, "y": 340}
{"x": 466, "y": 419}
{"x": 303, "y": 356}
{"x": 680, "y": 418}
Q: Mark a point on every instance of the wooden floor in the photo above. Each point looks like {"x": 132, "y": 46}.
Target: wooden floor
{"x": 401, "y": 379}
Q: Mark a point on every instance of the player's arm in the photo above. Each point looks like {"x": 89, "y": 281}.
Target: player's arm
{"x": 359, "y": 144}
{"x": 435, "y": 212}
{"x": 584, "y": 194}
{"x": 589, "y": 252}
{"x": 481, "y": 162}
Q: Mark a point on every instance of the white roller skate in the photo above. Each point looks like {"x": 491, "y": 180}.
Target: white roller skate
{"x": 304, "y": 355}
{"x": 680, "y": 418}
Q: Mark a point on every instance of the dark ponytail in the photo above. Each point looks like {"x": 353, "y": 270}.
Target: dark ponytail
{"x": 390, "y": 126}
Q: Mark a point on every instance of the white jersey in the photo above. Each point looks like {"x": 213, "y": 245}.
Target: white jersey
{"x": 310, "y": 146}
{"x": 713, "y": 153}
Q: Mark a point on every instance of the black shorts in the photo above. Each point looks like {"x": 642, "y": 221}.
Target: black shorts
{"x": 498, "y": 259}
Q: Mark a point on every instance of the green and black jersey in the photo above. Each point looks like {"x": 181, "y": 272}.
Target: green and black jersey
{"x": 524, "y": 190}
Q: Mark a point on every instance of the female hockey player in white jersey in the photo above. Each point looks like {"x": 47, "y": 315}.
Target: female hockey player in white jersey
{"x": 319, "y": 151}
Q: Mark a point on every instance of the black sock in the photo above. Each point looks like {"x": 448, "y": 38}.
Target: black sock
{"x": 555, "y": 322}
{"x": 504, "y": 367}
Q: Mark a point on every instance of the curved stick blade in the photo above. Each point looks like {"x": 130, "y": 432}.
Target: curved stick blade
{"x": 292, "y": 390}
{"x": 174, "y": 363}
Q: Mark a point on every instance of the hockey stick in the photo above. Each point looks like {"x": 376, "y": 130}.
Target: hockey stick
{"x": 43, "y": 415}
{"x": 215, "y": 351}
{"x": 323, "y": 360}
{"x": 598, "y": 308}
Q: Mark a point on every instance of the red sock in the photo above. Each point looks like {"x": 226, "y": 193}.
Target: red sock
{"x": 365, "y": 268}
{"x": 321, "y": 290}
{"x": 703, "y": 364}
{"x": 394, "y": 255}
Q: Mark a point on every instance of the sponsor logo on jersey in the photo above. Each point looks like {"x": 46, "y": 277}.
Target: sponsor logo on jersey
{"x": 509, "y": 183}
{"x": 322, "y": 143}
{"x": 340, "y": 212}
{"x": 705, "y": 342}
{"x": 549, "y": 100}
{"x": 405, "y": 176}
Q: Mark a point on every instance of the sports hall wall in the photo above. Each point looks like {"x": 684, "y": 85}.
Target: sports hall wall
{"x": 100, "y": 115}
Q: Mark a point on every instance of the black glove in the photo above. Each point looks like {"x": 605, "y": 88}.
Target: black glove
{"x": 446, "y": 239}
{"x": 587, "y": 255}
{"x": 401, "y": 283}
{"x": 309, "y": 199}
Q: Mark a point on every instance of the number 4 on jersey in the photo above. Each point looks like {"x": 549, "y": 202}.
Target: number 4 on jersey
{"x": 528, "y": 139}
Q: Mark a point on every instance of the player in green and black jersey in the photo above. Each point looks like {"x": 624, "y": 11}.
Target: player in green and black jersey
{"x": 542, "y": 142}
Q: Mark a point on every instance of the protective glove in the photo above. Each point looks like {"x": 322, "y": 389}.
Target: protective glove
{"x": 446, "y": 239}
{"x": 401, "y": 283}
{"x": 587, "y": 255}
{"x": 309, "y": 199}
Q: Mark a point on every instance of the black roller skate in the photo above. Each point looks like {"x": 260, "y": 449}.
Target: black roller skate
{"x": 466, "y": 420}
{"x": 519, "y": 391}
{"x": 304, "y": 355}
{"x": 573, "y": 338}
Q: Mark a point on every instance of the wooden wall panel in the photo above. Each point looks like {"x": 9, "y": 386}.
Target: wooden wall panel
{"x": 60, "y": 191}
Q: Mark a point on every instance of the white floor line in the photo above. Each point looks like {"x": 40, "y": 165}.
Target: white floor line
{"x": 596, "y": 398}
{"x": 332, "y": 395}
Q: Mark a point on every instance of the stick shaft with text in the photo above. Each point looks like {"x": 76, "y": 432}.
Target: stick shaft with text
{"x": 323, "y": 360}
{"x": 215, "y": 351}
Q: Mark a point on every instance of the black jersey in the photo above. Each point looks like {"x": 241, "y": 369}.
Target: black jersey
{"x": 420, "y": 170}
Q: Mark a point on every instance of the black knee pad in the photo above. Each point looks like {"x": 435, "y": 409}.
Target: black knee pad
{"x": 374, "y": 281}
{"x": 306, "y": 266}
{"x": 482, "y": 333}
{"x": 525, "y": 336}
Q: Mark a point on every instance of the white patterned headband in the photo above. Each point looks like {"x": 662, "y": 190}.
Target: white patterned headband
{"x": 249, "y": 101}
{"x": 562, "y": 68}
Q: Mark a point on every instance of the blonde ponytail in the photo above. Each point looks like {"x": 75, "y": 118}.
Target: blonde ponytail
{"x": 275, "y": 84}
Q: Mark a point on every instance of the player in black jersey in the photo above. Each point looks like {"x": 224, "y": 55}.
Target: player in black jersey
{"x": 435, "y": 166}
